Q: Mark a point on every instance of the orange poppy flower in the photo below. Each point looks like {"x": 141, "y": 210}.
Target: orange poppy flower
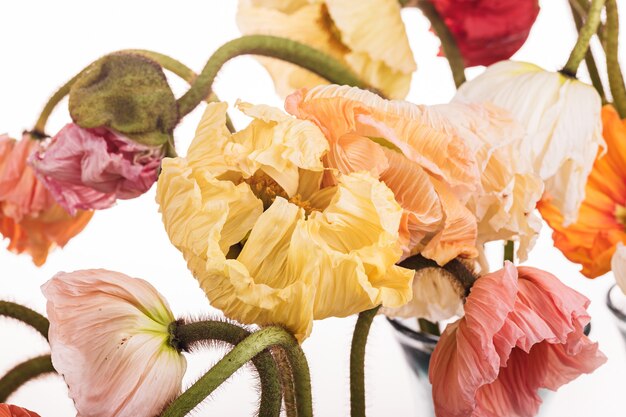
{"x": 592, "y": 239}
{"x": 29, "y": 216}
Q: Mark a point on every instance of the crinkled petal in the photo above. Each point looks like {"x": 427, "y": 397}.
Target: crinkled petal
{"x": 618, "y": 266}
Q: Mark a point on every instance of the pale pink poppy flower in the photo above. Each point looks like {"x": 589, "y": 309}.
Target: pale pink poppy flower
{"x": 91, "y": 168}
{"x": 8, "y": 410}
{"x": 522, "y": 331}
{"x": 109, "y": 337}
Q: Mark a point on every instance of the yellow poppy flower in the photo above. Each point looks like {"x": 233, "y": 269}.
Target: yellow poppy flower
{"x": 266, "y": 241}
{"x": 369, "y": 37}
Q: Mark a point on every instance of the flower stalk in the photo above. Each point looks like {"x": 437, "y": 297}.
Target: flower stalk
{"x": 584, "y": 36}
{"x": 23, "y": 373}
{"x": 357, "y": 362}
{"x": 271, "y": 46}
{"x": 25, "y": 315}
{"x": 509, "y": 251}
{"x": 247, "y": 347}
{"x": 616, "y": 79}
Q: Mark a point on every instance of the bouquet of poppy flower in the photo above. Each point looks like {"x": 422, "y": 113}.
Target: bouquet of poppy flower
{"x": 349, "y": 201}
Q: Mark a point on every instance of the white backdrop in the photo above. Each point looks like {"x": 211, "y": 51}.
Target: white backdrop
{"x": 43, "y": 43}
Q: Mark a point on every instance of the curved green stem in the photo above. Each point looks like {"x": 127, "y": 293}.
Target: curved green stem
{"x": 187, "y": 336}
{"x": 271, "y": 46}
{"x": 286, "y": 381}
{"x": 584, "y": 36}
{"x": 616, "y": 80}
{"x": 590, "y": 61}
{"x": 25, "y": 315}
{"x": 39, "y": 131}
{"x": 448, "y": 43}
{"x": 509, "y": 251}
{"x": 357, "y": 362}
{"x": 243, "y": 352}
{"x": 22, "y": 373}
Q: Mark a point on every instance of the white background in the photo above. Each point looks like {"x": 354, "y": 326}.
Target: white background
{"x": 44, "y": 43}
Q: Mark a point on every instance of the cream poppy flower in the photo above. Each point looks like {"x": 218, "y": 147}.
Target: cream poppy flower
{"x": 505, "y": 203}
{"x": 266, "y": 241}
{"x": 562, "y": 118}
{"x": 618, "y": 266}
{"x": 369, "y": 37}
{"x": 109, "y": 337}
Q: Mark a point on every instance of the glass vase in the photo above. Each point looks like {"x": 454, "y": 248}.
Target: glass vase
{"x": 616, "y": 302}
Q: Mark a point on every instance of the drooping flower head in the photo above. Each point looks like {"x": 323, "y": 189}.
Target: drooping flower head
{"x": 562, "y": 119}
{"x": 109, "y": 337}
{"x": 415, "y": 152}
{"x": 87, "y": 169}
{"x": 522, "y": 331}
{"x": 369, "y": 37}
{"x": 601, "y": 223}
{"x": 268, "y": 241}
{"x": 488, "y": 31}
{"x": 29, "y": 216}
{"x": 8, "y": 410}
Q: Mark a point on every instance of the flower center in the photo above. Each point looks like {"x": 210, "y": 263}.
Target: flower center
{"x": 620, "y": 214}
{"x": 265, "y": 188}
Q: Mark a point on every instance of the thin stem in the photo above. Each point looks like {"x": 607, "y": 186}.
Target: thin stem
{"x": 39, "y": 131}
{"x": 509, "y": 250}
{"x": 25, "y": 315}
{"x": 357, "y": 362}
{"x": 584, "y": 36}
{"x": 188, "y": 336}
{"x": 271, "y": 46}
{"x": 582, "y": 8}
{"x": 616, "y": 80}
{"x": 589, "y": 58}
{"x": 448, "y": 43}
{"x": 286, "y": 381}
{"x": 23, "y": 373}
{"x": 429, "y": 327}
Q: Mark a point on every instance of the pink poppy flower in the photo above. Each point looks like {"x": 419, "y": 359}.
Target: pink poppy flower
{"x": 109, "y": 338}
{"x": 522, "y": 330}
{"x": 91, "y": 168}
{"x": 7, "y": 410}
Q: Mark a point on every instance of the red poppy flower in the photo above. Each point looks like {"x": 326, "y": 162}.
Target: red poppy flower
{"x": 488, "y": 31}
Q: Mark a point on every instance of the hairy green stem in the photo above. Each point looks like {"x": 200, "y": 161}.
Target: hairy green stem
{"x": 584, "y": 36}
{"x": 271, "y": 46}
{"x": 582, "y": 8}
{"x": 286, "y": 381}
{"x": 590, "y": 61}
{"x": 26, "y": 315}
{"x": 448, "y": 43}
{"x": 357, "y": 362}
{"x": 616, "y": 80}
{"x": 22, "y": 373}
{"x": 39, "y": 131}
{"x": 188, "y": 335}
{"x": 509, "y": 251}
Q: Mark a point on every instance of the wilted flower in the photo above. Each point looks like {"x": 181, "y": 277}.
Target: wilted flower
{"x": 488, "y": 31}
{"x": 268, "y": 242}
{"x": 369, "y": 37}
{"x": 7, "y": 410}
{"x": 591, "y": 240}
{"x": 29, "y": 217}
{"x": 109, "y": 337}
{"x": 428, "y": 166}
{"x": 91, "y": 168}
{"x": 522, "y": 331}
{"x": 562, "y": 119}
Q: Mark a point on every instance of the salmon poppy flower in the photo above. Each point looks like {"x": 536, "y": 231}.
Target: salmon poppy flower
{"x": 29, "y": 216}
{"x": 7, "y": 410}
{"x": 601, "y": 224}
{"x": 267, "y": 240}
{"x": 368, "y": 37}
{"x": 522, "y": 331}
{"x": 488, "y": 31}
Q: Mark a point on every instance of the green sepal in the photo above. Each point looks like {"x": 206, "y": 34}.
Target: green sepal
{"x": 127, "y": 93}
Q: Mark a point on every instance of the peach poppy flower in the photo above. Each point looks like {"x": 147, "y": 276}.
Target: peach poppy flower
{"x": 522, "y": 331}
{"x": 109, "y": 338}
{"x": 29, "y": 216}
{"x": 8, "y": 410}
{"x": 591, "y": 240}
{"x": 370, "y": 38}
{"x": 418, "y": 155}
{"x": 266, "y": 239}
